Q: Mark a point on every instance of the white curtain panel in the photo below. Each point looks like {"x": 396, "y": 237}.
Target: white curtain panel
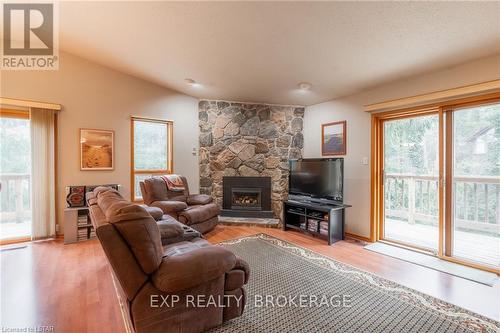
{"x": 42, "y": 174}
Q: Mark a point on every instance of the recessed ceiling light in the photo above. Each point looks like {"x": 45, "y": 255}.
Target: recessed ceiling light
{"x": 305, "y": 86}
{"x": 193, "y": 83}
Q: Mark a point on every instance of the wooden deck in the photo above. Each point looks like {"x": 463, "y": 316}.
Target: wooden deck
{"x": 10, "y": 230}
{"x": 474, "y": 246}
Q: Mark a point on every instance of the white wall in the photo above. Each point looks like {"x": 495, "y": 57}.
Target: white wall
{"x": 357, "y": 176}
{"x": 94, "y": 96}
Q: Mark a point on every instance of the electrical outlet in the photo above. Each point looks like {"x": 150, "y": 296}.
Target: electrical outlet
{"x": 364, "y": 161}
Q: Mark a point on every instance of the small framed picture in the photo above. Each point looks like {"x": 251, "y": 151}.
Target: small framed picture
{"x": 97, "y": 149}
{"x": 333, "y": 138}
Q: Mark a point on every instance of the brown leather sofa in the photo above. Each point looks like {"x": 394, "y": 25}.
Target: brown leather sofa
{"x": 151, "y": 276}
{"x": 194, "y": 210}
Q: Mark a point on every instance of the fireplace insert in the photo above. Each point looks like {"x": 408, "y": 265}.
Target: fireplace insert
{"x": 247, "y": 197}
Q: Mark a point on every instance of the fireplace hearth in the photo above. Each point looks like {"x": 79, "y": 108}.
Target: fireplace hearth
{"x": 247, "y": 197}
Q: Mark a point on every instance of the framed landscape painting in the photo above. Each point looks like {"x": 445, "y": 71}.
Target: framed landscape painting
{"x": 96, "y": 149}
{"x": 333, "y": 138}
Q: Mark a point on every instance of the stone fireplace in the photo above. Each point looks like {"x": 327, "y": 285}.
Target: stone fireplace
{"x": 246, "y": 197}
{"x": 248, "y": 140}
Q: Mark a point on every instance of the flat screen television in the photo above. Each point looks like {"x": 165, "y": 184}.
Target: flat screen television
{"x": 318, "y": 178}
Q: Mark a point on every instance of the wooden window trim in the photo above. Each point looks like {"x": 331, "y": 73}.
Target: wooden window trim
{"x": 14, "y": 113}
{"x": 445, "y": 112}
{"x": 442, "y": 97}
{"x": 30, "y": 104}
{"x": 170, "y": 161}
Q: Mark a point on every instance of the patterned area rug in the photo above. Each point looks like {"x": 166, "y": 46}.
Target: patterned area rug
{"x": 347, "y": 299}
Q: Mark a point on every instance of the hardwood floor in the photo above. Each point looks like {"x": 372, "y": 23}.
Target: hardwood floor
{"x": 70, "y": 287}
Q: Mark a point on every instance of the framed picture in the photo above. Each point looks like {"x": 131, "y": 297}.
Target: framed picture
{"x": 333, "y": 138}
{"x": 97, "y": 149}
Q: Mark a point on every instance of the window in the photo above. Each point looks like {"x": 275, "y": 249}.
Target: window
{"x": 151, "y": 144}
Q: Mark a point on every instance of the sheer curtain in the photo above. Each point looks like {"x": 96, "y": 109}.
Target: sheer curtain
{"x": 42, "y": 173}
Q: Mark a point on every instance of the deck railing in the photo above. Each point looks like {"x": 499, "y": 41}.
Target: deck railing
{"x": 15, "y": 197}
{"x": 415, "y": 198}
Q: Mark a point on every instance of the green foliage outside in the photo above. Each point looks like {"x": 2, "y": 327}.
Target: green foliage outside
{"x": 15, "y": 158}
{"x": 411, "y": 147}
{"x": 150, "y": 145}
{"x": 14, "y": 146}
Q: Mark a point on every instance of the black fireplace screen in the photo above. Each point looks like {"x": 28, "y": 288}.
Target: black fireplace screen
{"x": 245, "y": 198}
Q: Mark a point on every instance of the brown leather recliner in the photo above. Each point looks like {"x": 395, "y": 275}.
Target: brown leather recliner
{"x": 160, "y": 286}
{"x": 194, "y": 210}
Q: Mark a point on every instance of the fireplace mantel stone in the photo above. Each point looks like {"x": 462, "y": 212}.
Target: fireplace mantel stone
{"x": 249, "y": 140}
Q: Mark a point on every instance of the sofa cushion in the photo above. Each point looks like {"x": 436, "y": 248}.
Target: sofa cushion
{"x": 100, "y": 189}
{"x": 155, "y": 189}
{"x": 107, "y": 198}
{"x": 196, "y": 214}
{"x": 170, "y": 207}
{"x": 205, "y": 226}
{"x": 184, "y": 246}
{"x": 136, "y": 226}
{"x": 170, "y": 228}
{"x": 185, "y": 270}
{"x": 199, "y": 199}
{"x": 143, "y": 237}
{"x": 155, "y": 212}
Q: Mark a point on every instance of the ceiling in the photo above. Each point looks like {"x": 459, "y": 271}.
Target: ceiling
{"x": 260, "y": 51}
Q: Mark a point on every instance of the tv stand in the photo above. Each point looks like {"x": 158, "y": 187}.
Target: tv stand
{"x": 321, "y": 218}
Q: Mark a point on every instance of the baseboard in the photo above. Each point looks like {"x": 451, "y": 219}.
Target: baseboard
{"x": 358, "y": 237}
{"x": 15, "y": 240}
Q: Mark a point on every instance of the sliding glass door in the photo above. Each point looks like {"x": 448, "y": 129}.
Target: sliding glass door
{"x": 411, "y": 170}
{"x": 474, "y": 150}
{"x": 15, "y": 170}
{"x": 436, "y": 180}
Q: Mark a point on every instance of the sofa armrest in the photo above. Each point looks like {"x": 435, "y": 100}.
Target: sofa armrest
{"x": 243, "y": 265}
{"x": 155, "y": 212}
{"x": 169, "y": 207}
{"x": 199, "y": 199}
{"x": 169, "y": 230}
{"x": 190, "y": 269}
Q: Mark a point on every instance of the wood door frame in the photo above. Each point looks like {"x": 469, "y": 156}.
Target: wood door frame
{"x": 445, "y": 217}
{"x": 378, "y": 193}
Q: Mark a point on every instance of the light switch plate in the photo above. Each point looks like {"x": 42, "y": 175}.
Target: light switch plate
{"x": 364, "y": 161}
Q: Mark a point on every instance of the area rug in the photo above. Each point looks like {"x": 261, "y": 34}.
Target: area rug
{"x": 336, "y": 297}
